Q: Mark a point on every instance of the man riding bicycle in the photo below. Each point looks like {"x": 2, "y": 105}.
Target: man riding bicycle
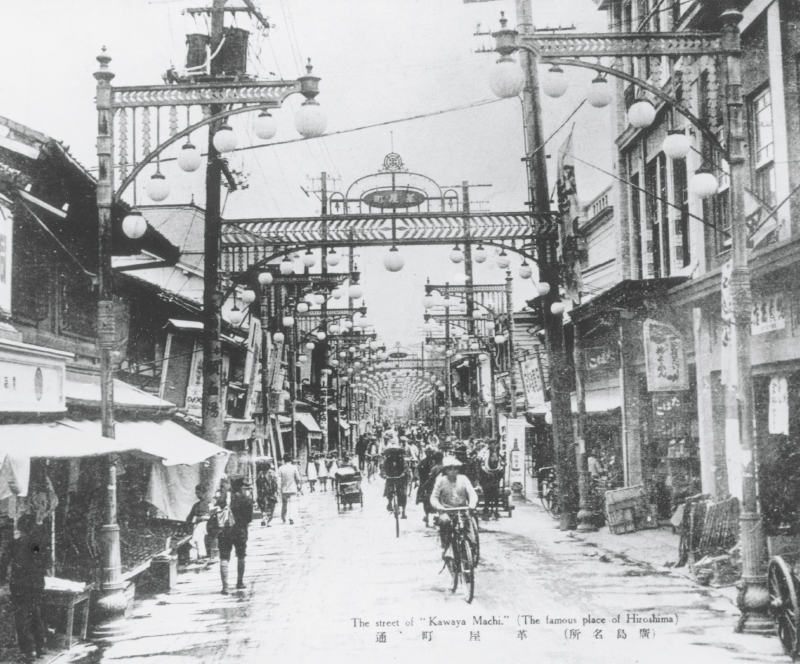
{"x": 393, "y": 469}
{"x": 452, "y": 490}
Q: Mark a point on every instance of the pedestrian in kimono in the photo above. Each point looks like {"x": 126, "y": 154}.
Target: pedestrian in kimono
{"x": 311, "y": 474}
{"x": 322, "y": 473}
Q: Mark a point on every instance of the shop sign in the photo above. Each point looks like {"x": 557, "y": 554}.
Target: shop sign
{"x": 664, "y": 358}
{"x": 240, "y": 431}
{"x": 779, "y": 405}
{"x": 31, "y": 386}
{"x": 194, "y": 389}
{"x": 729, "y": 371}
{"x": 394, "y": 198}
{"x": 601, "y": 360}
{"x": 768, "y": 314}
{"x": 532, "y": 382}
{"x": 6, "y": 225}
{"x": 515, "y": 449}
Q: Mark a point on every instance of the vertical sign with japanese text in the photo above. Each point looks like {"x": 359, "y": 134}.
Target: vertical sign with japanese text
{"x": 531, "y": 371}
{"x": 6, "y": 227}
{"x": 664, "y": 358}
{"x": 779, "y": 405}
{"x": 515, "y": 450}
{"x": 728, "y": 336}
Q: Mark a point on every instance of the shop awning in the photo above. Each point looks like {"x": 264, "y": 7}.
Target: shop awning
{"x": 84, "y": 389}
{"x": 166, "y": 439}
{"x": 597, "y": 401}
{"x": 19, "y": 443}
{"x": 308, "y": 421}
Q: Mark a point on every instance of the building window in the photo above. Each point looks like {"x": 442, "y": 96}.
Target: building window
{"x": 764, "y": 147}
{"x": 681, "y": 200}
{"x": 656, "y": 206}
{"x": 636, "y": 218}
{"x": 719, "y": 208}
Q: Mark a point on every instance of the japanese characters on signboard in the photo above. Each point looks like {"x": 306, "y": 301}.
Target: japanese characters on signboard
{"x": 6, "y": 226}
{"x": 728, "y": 336}
{"x": 194, "y": 388}
{"x": 664, "y": 356}
{"x": 779, "y": 405}
{"x": 601, "y": 360}
{"x": 531, "y": 372}
{"x": 768, "y": 314}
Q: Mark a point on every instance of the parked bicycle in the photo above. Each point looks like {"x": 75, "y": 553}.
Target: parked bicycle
{"x": 548, "y": 491}
{"x": 463, "y": 561}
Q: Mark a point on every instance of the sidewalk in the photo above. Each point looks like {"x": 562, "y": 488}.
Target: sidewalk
{"x": 656, "y": 547}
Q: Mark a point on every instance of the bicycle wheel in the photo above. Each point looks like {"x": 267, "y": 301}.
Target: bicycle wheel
{"x": 453, "y": 567}
{"x": 548, "y": 498}
{"x": 467, "y": 569}
{"x": 396, "y": 509}
{"x": 477, "y": 543}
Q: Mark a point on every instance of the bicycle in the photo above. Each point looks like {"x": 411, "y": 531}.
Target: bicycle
{"x": 462, "y": 565}
{"x": 395, "y": 504}
{"x": 548, "y": 491}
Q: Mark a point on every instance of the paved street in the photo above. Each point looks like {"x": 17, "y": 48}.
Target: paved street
{"x": 308, "y": 583}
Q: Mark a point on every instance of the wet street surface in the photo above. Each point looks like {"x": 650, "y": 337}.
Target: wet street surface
{"x": 341, "y": 587}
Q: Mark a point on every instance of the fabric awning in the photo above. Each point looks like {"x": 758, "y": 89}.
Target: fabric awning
{"x": 597, "y": 401}
{"x": 84, "y": 388}
{"x": 167, "y": 440}
{"x": 308, "y": 421}
{"x": 19, "y": 443}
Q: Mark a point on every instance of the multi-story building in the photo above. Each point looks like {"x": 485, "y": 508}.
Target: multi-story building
{"x": 673, "y": 247}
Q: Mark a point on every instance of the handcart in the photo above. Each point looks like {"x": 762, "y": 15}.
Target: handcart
{"x": 348, "y": 488}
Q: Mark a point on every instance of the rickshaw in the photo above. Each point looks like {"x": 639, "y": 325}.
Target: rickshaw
{"x": 348, "y": 492}
{"x": 783, "y": 581}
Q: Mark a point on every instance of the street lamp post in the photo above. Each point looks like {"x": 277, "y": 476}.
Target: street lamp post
{"x": 562, "y": 50}
{"x": 251, "y": 95}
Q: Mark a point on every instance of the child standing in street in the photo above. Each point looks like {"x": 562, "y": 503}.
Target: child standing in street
{"x": 311, "y": 474}
{"x": 322, "y": 473}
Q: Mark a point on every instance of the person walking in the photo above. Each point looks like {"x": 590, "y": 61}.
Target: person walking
{"x": 234, "y": 516}
{"x": 322, "y": 473}
{"x": 198, "y": 518}
{"x": 361, "y": 450}
{"x": 267, "y": 488}
{"x": 311, "y": 474}
{"x": 24, "y": 564}
{"x": 289, "y": 480}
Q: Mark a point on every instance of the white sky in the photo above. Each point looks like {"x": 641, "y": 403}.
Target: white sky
{"x": 379, "y": 60}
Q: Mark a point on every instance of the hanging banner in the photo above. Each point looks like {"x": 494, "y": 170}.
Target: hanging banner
{"x": 194, "y": 389}
{"x": 6, "y": 227}
{"x": 779, "y": 405}
{"x": 728, "y": 333}
{"x": 515, "y": 451}
{"x": 531, "y": 372}
{"x": 253, "y": 349}
{"x": 664, "y": 357}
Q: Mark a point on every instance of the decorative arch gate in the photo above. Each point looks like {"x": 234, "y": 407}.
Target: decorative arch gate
{"x": 391, "y": 207}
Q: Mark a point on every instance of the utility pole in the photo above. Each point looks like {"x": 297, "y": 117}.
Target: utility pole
{"x": 512, "y": 361}
{"x": 560, "y": 401}
{"x": 111, "y": 604}
{"x": 448, "y": 381}
{"x": 324, "y": 354}
{"x": 213, "y": 406}
{"x": 476, "y": 424}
